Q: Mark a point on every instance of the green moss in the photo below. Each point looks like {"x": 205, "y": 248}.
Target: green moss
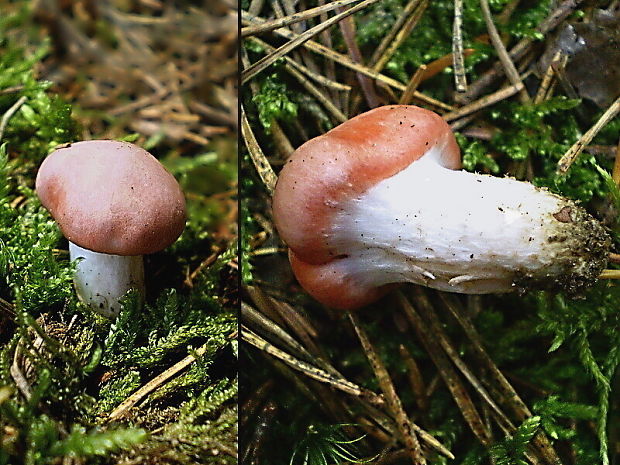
{"x": 475, "y": 156}
{"x": 533, "y": 129}
{"x": 511, "y": 450}
{"x": 274, "y": 102}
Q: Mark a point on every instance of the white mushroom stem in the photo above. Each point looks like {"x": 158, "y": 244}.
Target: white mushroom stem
{"x": 463, "y": 232}
{"x": 102, "y": 279}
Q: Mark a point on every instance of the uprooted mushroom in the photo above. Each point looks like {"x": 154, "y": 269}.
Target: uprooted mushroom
{"x": 381, "y": 200}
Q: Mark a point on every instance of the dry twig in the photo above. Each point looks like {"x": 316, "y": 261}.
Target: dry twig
{"x": 294, "y": 18}
{"x": 556, "y": 17}
{"x": 413, "y": 84}
{"x": 250, "y": 315}
{"x": 615, "y": 174}
{"x": 610, "y": 274}
{"x": 149, "y": 387}
{"x": 511, "y": 397}
{"x": 454, "y": 384}
{"x": 571, "y": 155}
{"x": 264, "y": 169}
{"x": 9, "y": 113}
{"x": 393, "y": 401}
{"x": 504, "y": 58}
{"x": 268, "y": 60}
{"x": 545, "y": 84}
{"x": 410, "y": 22}
{"x": 348, "y": 63}
{"x": 484, "y": 102}
{"x": 309, "y": 370}
{"x": 460, "y": 80}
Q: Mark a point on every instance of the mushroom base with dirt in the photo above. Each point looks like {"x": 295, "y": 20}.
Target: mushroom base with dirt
{"x": 426, "y": 221}
{"x": 497, "y": 235}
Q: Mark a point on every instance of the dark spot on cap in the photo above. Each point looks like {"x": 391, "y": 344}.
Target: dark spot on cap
{"x": 563, "y": 216}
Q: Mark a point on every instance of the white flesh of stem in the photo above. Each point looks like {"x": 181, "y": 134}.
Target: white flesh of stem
{"x": 102, "y": 279}
{"x": 458, "y": 231}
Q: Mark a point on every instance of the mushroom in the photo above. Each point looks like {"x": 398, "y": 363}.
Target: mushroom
{"x": 381, "y": 200}
{"x": 114, "y": 202}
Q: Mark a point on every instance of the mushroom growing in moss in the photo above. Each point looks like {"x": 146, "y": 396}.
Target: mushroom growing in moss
{"x": 381, "y": 200}
{"x": 114, "y": 202}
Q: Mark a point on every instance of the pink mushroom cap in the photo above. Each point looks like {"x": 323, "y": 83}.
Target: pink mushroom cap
{"x": 342, "y": 165}
{"x": 112, "y": 197}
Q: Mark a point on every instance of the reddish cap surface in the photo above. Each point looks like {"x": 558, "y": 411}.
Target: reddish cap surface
{"x": 329, "y": 284}
{"x": 112, "y": 197}
{"x": 341, "y": 165}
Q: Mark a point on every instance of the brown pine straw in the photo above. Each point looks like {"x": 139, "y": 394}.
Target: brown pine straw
{"x": 264, "y": 169}
{"x": 348, "y": 63}
{"x": 268, "y": 60}
{"x": 309, "y": 370}
{"x": 504, "y": 57}
{"x": 458, "y": 60}
{"x": 394, "y": 403}
{"x": 615, "y": 174}
{"x": 453, "y": 382}
{"x": 294, "y": 18}
{"x": 610, "y": 274}
{"x": 569, "y": 157}
{"x": 614, "y": 257}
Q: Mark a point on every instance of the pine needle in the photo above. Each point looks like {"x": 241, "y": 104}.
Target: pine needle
{"x": 460, "y": 79}
{"x": 394, "y": 403}
{"x": 311, "y": 371}
{"x": 265, "y": 62}
{"x": 569, "y": 157}
{"x": 610, "y": 274}
{"x": 294, "y": 18}
{"x": 264, "y": 169}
